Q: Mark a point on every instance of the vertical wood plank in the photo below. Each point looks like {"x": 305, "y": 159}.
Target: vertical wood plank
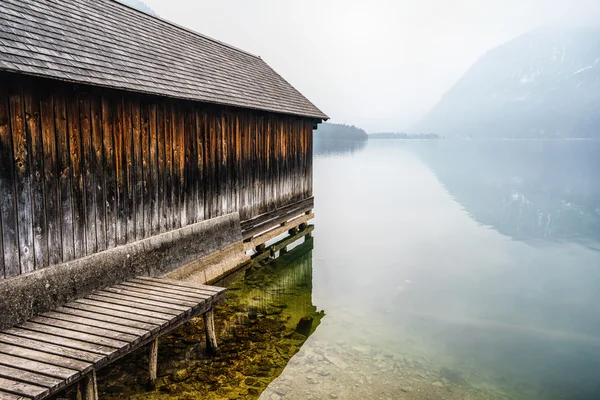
{"x": 34, "y": 132}
{"x": 190, "y": 192}
{"x": 109, "y": 171}
{"x": 154, "y": 169}
{"x": 120, "y": 169}
{"x": 97, "y": 155}
{"x": 129, "y": 151}
{"x": 215, "y": 154}
{"x": 169, "y": 208}
{"x": 89, "y": 174}
{"x": 162, "y": 162}
{"x": 176, "y": 135}
{"x": 51, "y": 172}
{"x": 138, "y": 169}
{"x": 77, "y": 184}
{"x": 200, "y": 135}
{"x": 207, "y": 166}
{"x": 147, "y": 173}
{"x": 223, "y": 177}
{"x": 21, "y": 150}
{"x": 64, "y": 174}
{"x": 8, "y": 210}
{"x": 181, "y": 155}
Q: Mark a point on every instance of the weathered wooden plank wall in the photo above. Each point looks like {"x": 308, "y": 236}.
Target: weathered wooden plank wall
{"x": 85, "y": 169}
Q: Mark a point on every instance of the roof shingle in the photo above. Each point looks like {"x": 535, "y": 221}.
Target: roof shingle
{"x": 106, "y": 43}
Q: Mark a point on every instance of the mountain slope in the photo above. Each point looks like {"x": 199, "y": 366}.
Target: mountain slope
{"x": 545, "y": 83}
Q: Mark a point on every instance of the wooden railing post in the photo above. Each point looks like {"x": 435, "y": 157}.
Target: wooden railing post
{"x": 153, "y": 362}
{"x": 87, "y": 389}
{"x": 211, "y": 336}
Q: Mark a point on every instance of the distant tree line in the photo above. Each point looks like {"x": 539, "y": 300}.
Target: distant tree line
{"x": 340, "y": 132}
{"x": 402, "y": 135}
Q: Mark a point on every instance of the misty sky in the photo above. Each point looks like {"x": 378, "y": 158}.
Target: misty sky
{"x": 377, "y": 64}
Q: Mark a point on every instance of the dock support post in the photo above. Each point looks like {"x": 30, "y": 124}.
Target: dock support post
{"x": 211, "y": 336}
{"x": 87, "y": 389}
{"x": 293, "y": 231}
{"x": 153, "y": 362}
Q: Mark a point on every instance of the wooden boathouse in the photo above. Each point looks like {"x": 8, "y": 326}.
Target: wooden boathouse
{"x": 132, "y": 147}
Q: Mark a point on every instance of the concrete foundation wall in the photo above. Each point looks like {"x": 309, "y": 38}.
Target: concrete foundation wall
{"x": 201, "y": 252}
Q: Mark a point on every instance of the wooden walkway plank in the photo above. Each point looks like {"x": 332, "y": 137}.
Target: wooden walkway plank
{"x": 22, "y": 389}
{"x": 69, "y": 334}
{"x": 47, "y": 358}
{"x": 87, "y": 323}
{"x": 167, "y": 292}
{"x": 39, "y": 367}
{"x": 30, "y": 377}
{"x": 107, "y": 333}
{"x": 51, "y": 348}
{"x": 181, "y": 289}
{"x": 165, "y": 296}
{"x": 10, "y": 396}
{"x": 123, "y": 315}
{"x": 127, "y": 309}
{"x": 142, "y": 301}
{"x": 180, "y": 283}
{"x": 81, "y": 312}
{"x": 67, "y": 342}
{"x": 140, "y": 306}
{"x": 147, "y": 294}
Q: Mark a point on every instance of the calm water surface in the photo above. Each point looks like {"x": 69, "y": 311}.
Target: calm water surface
{"x": 453, "y": 269}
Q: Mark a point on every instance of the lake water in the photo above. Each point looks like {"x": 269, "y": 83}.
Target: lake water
{"x": 453, "y": 269}
{"x": 437, "y": 270}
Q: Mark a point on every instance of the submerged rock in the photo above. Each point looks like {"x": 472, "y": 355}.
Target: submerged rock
{"x": 304, "y": 326}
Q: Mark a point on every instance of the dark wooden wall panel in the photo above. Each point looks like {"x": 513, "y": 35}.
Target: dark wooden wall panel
{"x": 86, "y": 169}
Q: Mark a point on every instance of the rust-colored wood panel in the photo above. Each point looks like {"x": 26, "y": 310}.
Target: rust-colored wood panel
{"x": 206, "y": 175}
{"x": 89, "y": 175}
{"x": 146, "y": 173}
{"x": 177, "y": 132}
{"x": 120, "y": 167}
{"x": 128, "y": 151}
{"x": 153, "y": 168}
{"x": 200, "y": 143}
{"x": 169, "y": 207}
{"x": 162, "y": 163}
{"x": 224, "y": 153}
{"x": 138, "y": 169}
{"x": 181, "y": 165}
{"x": 97, "y": 160}
{"x": 38, "y": 201}
{"x": 64, "y": 174}
{"x": 21, "y": 151}
{"x": 109, "y": 172}
{"x": 10, "y": 264}
{"x": 269, "y": 160}
{"x": 51, "y": 173}
{"x": 217, "y": 155}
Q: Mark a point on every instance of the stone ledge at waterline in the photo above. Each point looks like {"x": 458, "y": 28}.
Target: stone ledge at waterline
{"x": 26, "y": 295}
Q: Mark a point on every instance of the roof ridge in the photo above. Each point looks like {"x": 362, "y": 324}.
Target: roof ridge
{"x": 189, "y": 30}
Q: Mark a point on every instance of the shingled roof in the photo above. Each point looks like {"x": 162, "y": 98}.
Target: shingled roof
{"x": 106, "y": 43}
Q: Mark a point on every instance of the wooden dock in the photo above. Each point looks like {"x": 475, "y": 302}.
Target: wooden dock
{"x": 56, "y": 349}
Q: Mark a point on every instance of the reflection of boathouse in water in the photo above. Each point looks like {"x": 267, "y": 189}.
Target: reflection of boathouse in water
{"x": 132, "y": 146}
{"x": 282, "y": 285}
